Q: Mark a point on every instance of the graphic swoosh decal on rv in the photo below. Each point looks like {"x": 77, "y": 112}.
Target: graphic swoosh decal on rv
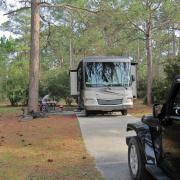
{"x": 109, "y": 91}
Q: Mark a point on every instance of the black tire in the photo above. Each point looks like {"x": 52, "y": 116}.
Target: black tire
{"x": 124, "y": 112}
{"x": 137, "y": 172}
{"x": 87, "y": 113}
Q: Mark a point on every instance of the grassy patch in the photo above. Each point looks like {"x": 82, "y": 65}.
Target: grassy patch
{"x": 140, "y": 109}
{"x": 5, "y": 110}
{"x": 44, "y": 149}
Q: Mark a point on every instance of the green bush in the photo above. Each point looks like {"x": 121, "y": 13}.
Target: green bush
{"x": 55, "y": 83}
{"x": 141, "y": 88}
{"x": 161, "y": 88}
{"x": 172, "y": 68}
{"x": 16, "y": 95}
{"x": 159, "y": 91}
{"x": 16, "y": 84}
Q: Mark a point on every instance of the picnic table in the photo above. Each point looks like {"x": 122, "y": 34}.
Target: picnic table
{"x": 52, "y": 104}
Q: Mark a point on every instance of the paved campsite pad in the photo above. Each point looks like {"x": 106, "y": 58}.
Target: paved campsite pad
{"x": 104, "y": 137}
{"x": 44, "y": 148}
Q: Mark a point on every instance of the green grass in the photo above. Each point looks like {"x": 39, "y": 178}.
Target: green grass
{"x": 5, "y": 110}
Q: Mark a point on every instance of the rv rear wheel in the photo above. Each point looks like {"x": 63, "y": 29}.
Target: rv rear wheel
{"x": 124, "y": 112}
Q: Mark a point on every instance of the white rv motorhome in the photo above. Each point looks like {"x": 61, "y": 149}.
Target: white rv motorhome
{"x": 104, "y": 83}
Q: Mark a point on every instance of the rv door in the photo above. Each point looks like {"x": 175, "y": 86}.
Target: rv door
{"x": 73, "y": 82}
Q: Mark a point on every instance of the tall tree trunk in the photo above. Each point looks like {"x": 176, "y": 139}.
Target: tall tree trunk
{"x": 107, "y": 39}
{"x": 149, "y": 61}
{"x": 138, "y": 62}
{"x": 72, "y": 62}
{"x": 34, "y": 57}
{"x": 174, "y": 42}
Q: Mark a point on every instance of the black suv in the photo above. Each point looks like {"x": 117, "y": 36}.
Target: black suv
{"x": 156, "y": 146}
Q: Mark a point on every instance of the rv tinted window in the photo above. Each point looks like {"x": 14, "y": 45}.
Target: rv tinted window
{"x": 99, "y": 74}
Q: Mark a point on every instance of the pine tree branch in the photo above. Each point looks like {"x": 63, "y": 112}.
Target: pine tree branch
{"x": 161, "y": 25}
{"x": 45, "y": 4}
{"x": 25, "y": 1}
{"x": 49, "y": 31}
{"x": 159, "y": 4}
{"x": 48, "y": 36}
{"x": 136, "y": 26}
{"x": 17, "y": 10}
{"x": 67, "y": 6}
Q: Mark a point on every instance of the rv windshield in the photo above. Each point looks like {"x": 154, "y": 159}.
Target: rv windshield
{"x": 100, "y": 74}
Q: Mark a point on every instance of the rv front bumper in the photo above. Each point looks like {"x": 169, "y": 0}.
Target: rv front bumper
{"x": 108, "y": 107}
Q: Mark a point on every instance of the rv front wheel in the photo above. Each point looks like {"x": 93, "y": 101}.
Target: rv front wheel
{"x": 87, "y": 113}
{"x": 124, "y": 112}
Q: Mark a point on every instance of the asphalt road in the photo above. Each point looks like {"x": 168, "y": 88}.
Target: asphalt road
{"x": 104, "y": 137}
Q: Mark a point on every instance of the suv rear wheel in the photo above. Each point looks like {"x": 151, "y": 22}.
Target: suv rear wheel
{"x": 136, "y": 160}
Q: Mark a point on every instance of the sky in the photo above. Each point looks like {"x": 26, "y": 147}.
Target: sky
{"x": 4, "y": 18}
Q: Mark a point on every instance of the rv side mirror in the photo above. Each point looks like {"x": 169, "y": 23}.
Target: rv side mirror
{"x": 132, "y": 78}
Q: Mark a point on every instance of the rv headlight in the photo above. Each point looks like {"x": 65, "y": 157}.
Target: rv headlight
{"x": 90, "y": 100}
{"x": 129, "y": 100}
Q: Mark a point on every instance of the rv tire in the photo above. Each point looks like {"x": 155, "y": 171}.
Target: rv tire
{"x": 87, "y": 113}
{"x": 124, "y": 112}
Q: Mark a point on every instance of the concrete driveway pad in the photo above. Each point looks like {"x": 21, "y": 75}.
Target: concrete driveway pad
{"x": 104, "y": 137}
